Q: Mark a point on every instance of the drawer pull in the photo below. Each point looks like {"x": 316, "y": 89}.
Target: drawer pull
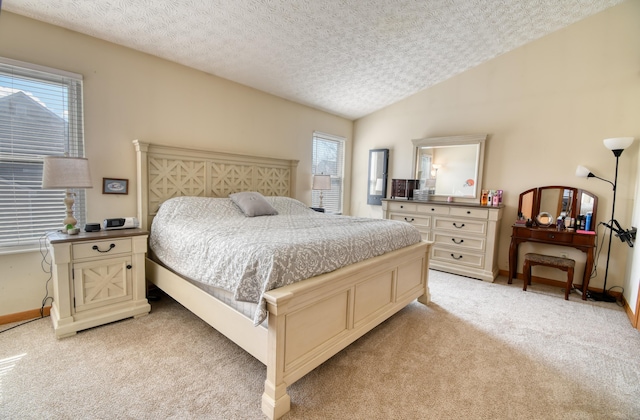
{"x": 456, "y": 225}
{"x": 468, "y": 211}
{"x": 95, "y": 247}
{"x": 401, "y": 207}
{"x": 409, "y": 220}
{"x": 456, "y": 258}
{"x": 432, "y": 209}
{"x": 129, "y": 266}
{"x": 456, "y": 242}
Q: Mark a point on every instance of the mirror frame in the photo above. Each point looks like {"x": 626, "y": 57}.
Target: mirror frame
{"x": 470, "y": 139}
{"x": 576, "y": 201}
{"x": 376, "y": 199}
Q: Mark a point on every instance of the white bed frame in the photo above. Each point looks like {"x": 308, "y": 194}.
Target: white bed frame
{"x": 308, "y": 321}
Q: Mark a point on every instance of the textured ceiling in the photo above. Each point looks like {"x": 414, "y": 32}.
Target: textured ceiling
{"x": 348, "y": 57}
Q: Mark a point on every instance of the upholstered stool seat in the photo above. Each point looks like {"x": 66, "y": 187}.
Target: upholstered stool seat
{"x": 564, "y": 264}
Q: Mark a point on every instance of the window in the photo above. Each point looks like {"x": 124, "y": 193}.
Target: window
{"x": 40, "y": 114}
{"x": 328, "y": 159}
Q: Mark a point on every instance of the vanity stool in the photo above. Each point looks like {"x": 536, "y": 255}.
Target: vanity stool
{"x": 564, "y": 264}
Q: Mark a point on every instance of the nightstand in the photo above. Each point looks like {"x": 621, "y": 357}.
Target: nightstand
{"x": 98, "y": 277}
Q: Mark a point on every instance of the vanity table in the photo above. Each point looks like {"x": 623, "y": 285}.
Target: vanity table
{"x": 554, "y": 200}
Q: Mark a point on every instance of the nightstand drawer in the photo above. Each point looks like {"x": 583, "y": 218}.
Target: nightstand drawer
{"x": 95, "y": 249}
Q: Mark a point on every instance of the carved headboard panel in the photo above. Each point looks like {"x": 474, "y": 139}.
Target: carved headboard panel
{"x": 164, "y": 172}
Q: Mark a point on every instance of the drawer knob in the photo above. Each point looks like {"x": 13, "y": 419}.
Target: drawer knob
{"x": 129, "y": 266}
{"x": 457, "y": 242}
{"x": 456, "y": 225}
{"x": 459, "y": 257}
{"x": 468, "y": 211}
{"x": 95, "y": 247}
{"x": 401, "y": 207}
{"x": 409, "y": 220}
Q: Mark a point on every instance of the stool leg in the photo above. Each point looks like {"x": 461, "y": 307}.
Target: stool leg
{"x": 569, "y": 283}
{"x": 526, "y": 273}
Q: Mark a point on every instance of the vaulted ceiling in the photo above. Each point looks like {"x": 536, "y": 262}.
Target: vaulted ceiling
{"x": 347, "y": 57}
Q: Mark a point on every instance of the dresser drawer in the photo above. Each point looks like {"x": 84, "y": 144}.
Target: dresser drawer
{"x": 462, "y": 243}
{"x": 461, "y": 226}
{"x": 402, "y": 207}
{"x": 433, "y": 209}
{"x": 452, "y": 257}
{"x": 467, "y": 212}
{"x": 418, "y": 221}
{"x": 95, "y": 249}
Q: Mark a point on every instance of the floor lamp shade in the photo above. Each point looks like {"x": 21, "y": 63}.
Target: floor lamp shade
{"x": 64, "y": 173}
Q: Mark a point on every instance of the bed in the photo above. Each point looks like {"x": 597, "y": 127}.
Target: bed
{"x": 308, "y": 321}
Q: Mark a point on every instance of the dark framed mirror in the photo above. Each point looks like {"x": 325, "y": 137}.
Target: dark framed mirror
{"x": 377, "y": 179}
{"x": 557, "y": 200}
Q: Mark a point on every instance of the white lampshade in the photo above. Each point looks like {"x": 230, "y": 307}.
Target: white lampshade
{"x": 321, "y": 182}
{"x": 582, "y": 172}
{"x": 618, "y": 143}
{"x": 62, "y": 172}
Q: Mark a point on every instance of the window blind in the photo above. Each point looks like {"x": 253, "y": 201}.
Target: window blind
{"x": 328, "y": 159}
{"x": 40, "y": 115}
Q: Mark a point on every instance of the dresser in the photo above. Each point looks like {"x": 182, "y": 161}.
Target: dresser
{"x": 97, "y": 277}
{"x": 465, "y": 236}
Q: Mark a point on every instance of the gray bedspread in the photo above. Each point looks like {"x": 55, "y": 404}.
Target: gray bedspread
{"x": 211, "y": 241}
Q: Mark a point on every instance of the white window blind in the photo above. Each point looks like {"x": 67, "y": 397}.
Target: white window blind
{"x": 328, "y": 159}
{"x": 40, "y": 114}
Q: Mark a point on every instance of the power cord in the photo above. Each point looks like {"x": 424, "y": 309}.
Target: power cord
{"x": 46, "y": 266}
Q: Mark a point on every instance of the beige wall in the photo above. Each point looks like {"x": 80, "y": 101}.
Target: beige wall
{"x": 129, "y": 95}
{"x": 547, "y": 107}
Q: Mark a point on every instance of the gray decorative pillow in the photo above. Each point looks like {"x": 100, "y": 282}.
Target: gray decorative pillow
{"x": 253, "y": 204}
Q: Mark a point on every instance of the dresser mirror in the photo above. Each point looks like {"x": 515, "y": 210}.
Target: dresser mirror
{"x": 556, "y": 200}
{"x": 450, "y": 166}
{"x": 377, "y": 183}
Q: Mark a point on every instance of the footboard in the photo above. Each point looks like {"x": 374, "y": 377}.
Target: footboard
{"x": 313, "y": 320}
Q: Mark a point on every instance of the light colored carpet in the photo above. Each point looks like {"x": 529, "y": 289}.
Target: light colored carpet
{"x": 478, "y": 351}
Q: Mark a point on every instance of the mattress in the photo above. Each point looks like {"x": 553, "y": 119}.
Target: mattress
{"x": 211, "y": 241}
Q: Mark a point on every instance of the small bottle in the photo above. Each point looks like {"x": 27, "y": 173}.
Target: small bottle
{"x": 496, "y": 199}
{"x": 484, "y": 198}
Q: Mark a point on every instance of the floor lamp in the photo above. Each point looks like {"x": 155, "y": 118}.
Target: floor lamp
{"x": 617, "y": 146}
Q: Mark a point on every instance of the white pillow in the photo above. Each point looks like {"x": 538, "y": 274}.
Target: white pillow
{"x": 253, "y": 204}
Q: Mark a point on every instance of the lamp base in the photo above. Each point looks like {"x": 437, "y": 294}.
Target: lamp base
{"x": 601, "y": 297}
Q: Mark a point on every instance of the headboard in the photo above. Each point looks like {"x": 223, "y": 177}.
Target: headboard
{"x": 164, "y": 172}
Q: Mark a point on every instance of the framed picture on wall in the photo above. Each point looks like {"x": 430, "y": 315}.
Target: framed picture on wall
{"x": 115, "y": 186}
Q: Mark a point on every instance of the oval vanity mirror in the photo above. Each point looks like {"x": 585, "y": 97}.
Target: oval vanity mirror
{"x": 544, "y": 219}
{"x": 450, "y": 166}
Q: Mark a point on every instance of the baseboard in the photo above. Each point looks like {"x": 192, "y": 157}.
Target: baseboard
{"x": 555, "y": 283}
{"x": 23, "y": 316}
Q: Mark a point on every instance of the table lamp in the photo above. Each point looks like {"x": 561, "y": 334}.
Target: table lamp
{"x": 65, "y": 173}
{"x": 321, "y": 182}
